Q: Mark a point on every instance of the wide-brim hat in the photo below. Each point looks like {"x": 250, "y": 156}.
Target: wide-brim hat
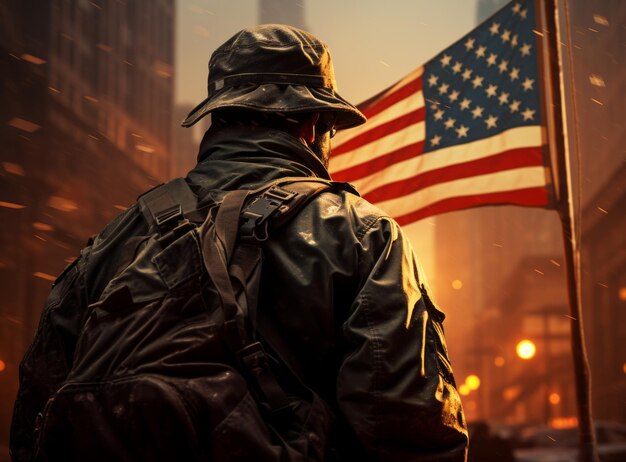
{"x": 274, "y": 68}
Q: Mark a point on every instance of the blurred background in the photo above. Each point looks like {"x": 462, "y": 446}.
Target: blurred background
{"x": 91, "y": 98}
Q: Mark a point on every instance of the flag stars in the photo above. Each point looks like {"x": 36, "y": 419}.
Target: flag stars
{"x": 506, "y": 36}
{"x": 467, "y": 74}
{"x": 503, "y": 98}
{"x": 514, "y": 74}
{"x": 495, "y": 28}
{"x": 514, "y": 40}
{"x": 469, "y": 44}
{"x": 491, "y": 121}
{"x": 517, "y": 9}
{"x": 528, "y": 114}
{"x": 478, "y": 81}
{"x": 461, "y": 132}
{"x": 449, "y": 123}
{"x": 445, "y": 60}
{"x": 491, "y": 90}
{"x": 503, "y": 66}
{"x": 465, "y": 104}
{"x": 432, "y": 80}
{"x": 435, "y": 140}
{"x": 528, "y": 84}
{"x": 457, "y": 67}
{"x": 480, "y": 51}
{"x": 443, "y": 88}
{"x": 438, "y": 115}
{"x": 491, "y": 60}
{"x": 454, "y": 95}
{"x": 514, "y": 106}
{"x": 525, "y": 49}
{"x": 477, "y": 112}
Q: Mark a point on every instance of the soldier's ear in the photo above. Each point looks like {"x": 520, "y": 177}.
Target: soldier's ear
{"x": 307, "y": 129}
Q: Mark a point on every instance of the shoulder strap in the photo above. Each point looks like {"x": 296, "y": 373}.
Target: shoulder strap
{"x": 250, "y": 215}
{"x": 280, "y": 200}
{"x": 164, "y": 206}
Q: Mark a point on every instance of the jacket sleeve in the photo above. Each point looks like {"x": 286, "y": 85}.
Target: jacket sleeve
{"x": 48, "y": 359}
{"x": 395, "y": 385}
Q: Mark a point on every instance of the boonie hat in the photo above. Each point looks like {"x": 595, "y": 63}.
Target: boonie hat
{"x": 274, "y": 68}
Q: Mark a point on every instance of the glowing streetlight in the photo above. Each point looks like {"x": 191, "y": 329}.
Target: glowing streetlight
{"x": 499, "y": 361}
{"x": 473, "y": 382}
{"x": 3, "y": 365}
{"x": 526, "y": 349}
{"x": 554, "y": 398}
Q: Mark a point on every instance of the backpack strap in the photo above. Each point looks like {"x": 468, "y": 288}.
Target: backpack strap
{"x": 280, "y": 200}
{"x": 166, "y": 205}
{"x": 250, "y": 215}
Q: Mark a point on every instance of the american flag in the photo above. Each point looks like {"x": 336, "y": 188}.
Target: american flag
{"x": 464, "y": 130}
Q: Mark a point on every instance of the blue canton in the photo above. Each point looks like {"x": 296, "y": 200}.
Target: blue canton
{"x": 486, "y": 82}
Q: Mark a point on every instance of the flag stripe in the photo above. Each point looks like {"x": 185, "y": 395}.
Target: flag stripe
{"x": 517, "y": 158}
{"x": 531, "y": 197}
{"x": 375, "y": 166}
{"x": 378, "y": 132}
{"x": 515, "y": 138}
{"x": 380, "y": 147}
{"x": 522, "y": 178}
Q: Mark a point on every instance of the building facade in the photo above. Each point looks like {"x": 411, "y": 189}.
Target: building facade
{"x": 87, "y": 90}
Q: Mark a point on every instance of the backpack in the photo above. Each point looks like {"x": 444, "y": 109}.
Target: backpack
{"x": 169, "y": 364}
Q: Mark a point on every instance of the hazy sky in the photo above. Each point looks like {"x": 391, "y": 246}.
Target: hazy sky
{"x": 373, "y": 42}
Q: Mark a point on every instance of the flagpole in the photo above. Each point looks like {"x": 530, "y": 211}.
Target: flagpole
{"x": 565, "y": 207}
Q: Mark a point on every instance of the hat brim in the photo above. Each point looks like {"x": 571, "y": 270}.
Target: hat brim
{"x": 280, "y": 98}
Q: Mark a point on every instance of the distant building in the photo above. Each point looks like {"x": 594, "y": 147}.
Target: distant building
{"x": 598, "y": 37}
{"x": 86, "y": 99}
{"x": 282, "y": 12}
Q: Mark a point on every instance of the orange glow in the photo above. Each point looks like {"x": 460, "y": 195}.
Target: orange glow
{"x": 473, "y": 382}
{"x": 45, "y": 276}
{"x": 511, "y": 393}
{"x": 622, "y": 293}
{"x": 564, "y": 422}
{"x": 42, "y": 226}
{"x": 457, "y": 284}
{"x": 499, "y": 361}
{"x": 464, "y": 390}
{"x": 3, "y": 365}
{"x": 526, "y": 349}
{"x": 11, "y": 205}
{"x": 15, "y": 169}
{"x": 33, "y": 59}
{"x": 554, "y": 398}
{"x": 145, "y": 148}
{"x": 24, "y": 125}
{"x": 62, "y": 204}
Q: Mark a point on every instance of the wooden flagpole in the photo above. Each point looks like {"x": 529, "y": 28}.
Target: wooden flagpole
{"x": 559, "y": 145}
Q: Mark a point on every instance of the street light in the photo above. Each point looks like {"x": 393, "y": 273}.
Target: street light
{"x": 473, "y": 382}
{"x": 526, "y": 349}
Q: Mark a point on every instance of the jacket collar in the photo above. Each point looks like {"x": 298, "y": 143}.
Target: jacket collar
{"x": 269, "y": 146}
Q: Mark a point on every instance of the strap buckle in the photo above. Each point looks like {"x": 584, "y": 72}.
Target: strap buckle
{"x": 255, "y": 215}
{"x": 168, "y": 217}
